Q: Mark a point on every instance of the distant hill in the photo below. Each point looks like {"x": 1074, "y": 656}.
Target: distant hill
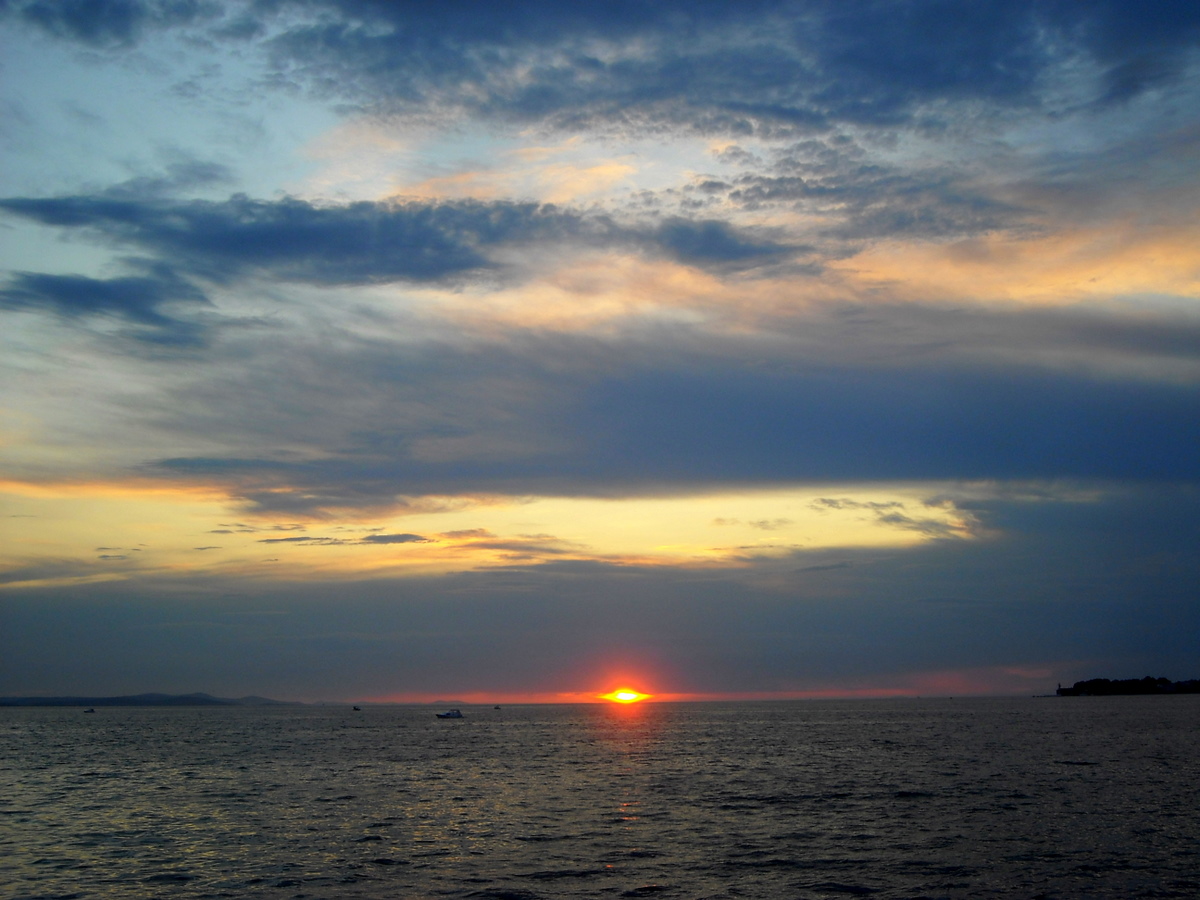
{"x": 1104, "y": 687}
{"x": 145, "y": 700}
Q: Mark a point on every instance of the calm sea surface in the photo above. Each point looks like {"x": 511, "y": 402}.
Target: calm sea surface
{"x": 1055, "y": 798}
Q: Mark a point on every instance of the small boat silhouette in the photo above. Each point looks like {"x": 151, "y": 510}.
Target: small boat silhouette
{"x": 450, "y": 714}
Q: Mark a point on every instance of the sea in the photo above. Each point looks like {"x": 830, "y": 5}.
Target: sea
{"x": 906, "y": 798}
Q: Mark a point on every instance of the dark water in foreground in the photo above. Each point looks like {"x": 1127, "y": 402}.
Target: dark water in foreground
{"x": 1056, "y": 798}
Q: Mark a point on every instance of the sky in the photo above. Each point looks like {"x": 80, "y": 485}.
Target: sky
{"x": 390, "y": 351}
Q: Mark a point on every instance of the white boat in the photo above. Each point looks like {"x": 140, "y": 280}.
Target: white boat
{"x": 450, "y": 714}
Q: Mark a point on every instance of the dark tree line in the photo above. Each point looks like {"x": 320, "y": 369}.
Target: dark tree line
{"x": 1105, "y": 687}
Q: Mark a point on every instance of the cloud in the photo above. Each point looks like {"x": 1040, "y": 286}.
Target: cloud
{"x": 1139, "y": 48}
{"x": 521, "y": 548}
{"x": 49, "y": 572}
{"x": 364, "y": 242}
{"x": 1064, "y": 590}
{"x": 303, "y": 539}
{"x": 775, "y": 67}
{"x": 765, "y": 67}
{"x": 830, "y": 423}
{"x": 111, "y": 23}
{"x": 351, "y": 244}
{"x": 857, "y": 196}
{"x": 143, "y": 300}
{"x": 467, "y": 534}
{"x": 770, "y": 524}
{"x": 182, "y": 175}
{"x": 394, "y": 539}
{"x": 671, "y": 420}
{"x": 713, "y": 243}
{"x": 325, "y": 541}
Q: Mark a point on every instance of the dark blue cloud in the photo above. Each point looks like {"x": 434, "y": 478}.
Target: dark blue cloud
{"x": 137, "y": 299}
{"x": 152, "y": 301}
{"x": 736, "y": 68}
{"x": 733, "y": 68}
{"x": 1139, "y": 45}
{"x": 714, "y": 243}
{"x": 676, "y": 417}
{"x": 767, "y": 67}
{"x": 182, "y": 176}
{"x": 365, "y": 242}
{"x": 358, "y": 243}
{"x": 882, "y": 58}
{"x": 715, "y": 67}
{"x": 842, "y": 424}
{"x": 112, "y": 23}
{"x": 859, "y": 197}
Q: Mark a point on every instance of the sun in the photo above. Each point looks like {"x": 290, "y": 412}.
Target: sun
{"x": 625, "y": 695}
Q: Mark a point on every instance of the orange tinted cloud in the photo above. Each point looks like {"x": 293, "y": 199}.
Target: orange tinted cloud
{"x": 1116, "y": 259}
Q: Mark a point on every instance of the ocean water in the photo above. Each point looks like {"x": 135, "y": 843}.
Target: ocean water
{"x": 1025, "y": 798}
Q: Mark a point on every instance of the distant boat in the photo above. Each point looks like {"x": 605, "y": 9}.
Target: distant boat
{"x": 495, "y": 707}
{"x": 89, "y": 709}
{"x": 450, "y": 714}
{"x": 358, "y": 709}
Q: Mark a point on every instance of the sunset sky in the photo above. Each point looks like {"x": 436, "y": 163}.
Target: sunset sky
{"x": 363, "y": 350}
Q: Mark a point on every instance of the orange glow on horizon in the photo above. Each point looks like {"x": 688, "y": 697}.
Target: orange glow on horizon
{"x": 625, "y": 695}
{"x": 983, "y": 681}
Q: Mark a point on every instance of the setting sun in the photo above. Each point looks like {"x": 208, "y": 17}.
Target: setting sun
{"x": 625, "y": 695}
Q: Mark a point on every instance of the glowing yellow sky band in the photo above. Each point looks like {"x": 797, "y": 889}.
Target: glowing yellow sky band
{"x": 624, "y": 695}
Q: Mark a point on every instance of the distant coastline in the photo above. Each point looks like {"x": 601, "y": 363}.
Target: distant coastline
{"x": 145, "y": 700}
{"x": 1104, "y": 687}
